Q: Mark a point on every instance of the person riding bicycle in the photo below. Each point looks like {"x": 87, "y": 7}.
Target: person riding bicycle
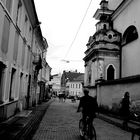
{"x": 88, "y": 106}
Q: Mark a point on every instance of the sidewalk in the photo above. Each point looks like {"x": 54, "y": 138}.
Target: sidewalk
{"x": 23, "y": 125}
{"x": 132, "y": 125}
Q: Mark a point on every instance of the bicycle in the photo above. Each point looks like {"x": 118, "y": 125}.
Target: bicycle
{"x": 136, "y": 132}
{"x": 88, "y": 132}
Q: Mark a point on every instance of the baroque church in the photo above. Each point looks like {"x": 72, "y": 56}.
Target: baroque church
{"x": 112, "y": 57}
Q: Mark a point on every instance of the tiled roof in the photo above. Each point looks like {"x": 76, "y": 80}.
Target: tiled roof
{"x": 79, "y": 78}
{"x": 72, "y": 75}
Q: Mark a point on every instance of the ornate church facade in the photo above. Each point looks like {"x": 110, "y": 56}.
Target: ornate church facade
{"x": 113, "y": 52}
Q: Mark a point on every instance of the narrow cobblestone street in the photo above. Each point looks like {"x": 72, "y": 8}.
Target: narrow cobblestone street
{"x": 61, "y": 123}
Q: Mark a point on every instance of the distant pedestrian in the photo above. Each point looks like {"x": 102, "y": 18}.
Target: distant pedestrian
{"x": 65, "y": 97}
{"x": 60, "y": 97}
{"x": 125, "y": 109}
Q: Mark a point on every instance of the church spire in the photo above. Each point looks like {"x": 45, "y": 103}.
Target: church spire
{"x": 104, "y": 4}
{"x": 103, "y": 13}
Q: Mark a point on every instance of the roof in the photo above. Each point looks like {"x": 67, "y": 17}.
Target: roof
{"x": 72, "y": 75}
{"x": 79, "y": 78}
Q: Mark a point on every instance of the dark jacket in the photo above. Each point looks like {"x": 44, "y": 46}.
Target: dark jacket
{"x": 88, "y": 104}
{"x": 125, "y": 103}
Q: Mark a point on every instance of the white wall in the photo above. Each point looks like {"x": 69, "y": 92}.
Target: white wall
{"x": 130, "y": 52}
{"x": 113, "y": 4}
{"x": 73, "y": 90}
{"x": 113, "y": 93}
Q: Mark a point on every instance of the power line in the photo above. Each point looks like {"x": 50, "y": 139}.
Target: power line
{"x": 78, "y": 30}
{"x": 68, "y": 61}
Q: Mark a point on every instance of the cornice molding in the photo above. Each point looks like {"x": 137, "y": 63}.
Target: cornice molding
{"x": 120, "y": 8}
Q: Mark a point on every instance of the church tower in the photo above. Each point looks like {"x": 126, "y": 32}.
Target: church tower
{"x": 102, "y": 57}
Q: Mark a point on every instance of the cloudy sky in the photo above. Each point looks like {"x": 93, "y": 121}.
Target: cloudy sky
{"x": 67, "y": 25}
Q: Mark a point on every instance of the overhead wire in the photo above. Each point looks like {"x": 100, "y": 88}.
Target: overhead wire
{"x": 78, "y": 30}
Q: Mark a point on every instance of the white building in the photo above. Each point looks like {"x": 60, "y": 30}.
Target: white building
{"x": 75, "y": 87}
{"x": 112, "y": 57}
{"x": 21, "y": 53}
{"x": 56, "y": 83}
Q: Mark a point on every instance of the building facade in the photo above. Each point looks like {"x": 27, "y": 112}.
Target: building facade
{"x": 67, "y": 77}
{"x": 75, "y": 86}
{"x": 20, "y": 42}
{"x": 111, "y": 58}
{"x": 56, "y": 83}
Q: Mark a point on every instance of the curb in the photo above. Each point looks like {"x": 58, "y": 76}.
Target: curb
{"x": 118, "y": 124}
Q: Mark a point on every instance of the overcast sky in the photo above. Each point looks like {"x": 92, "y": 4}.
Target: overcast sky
{"x": 66, "y": 36}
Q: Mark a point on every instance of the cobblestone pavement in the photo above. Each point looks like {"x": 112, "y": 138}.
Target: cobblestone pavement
{"x": 61, "y": 123}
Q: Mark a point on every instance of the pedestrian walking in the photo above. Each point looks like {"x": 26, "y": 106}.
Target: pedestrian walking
{"x": 125, "y": 109}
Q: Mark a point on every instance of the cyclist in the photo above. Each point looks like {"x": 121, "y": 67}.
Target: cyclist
{"x": 88, "y": 106}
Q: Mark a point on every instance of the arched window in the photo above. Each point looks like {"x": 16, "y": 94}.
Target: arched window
{"x": 110, "y": 73}
{"x": 105, "y": 26}
{"x": 130, "y": 35}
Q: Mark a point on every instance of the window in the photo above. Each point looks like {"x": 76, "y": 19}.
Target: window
{"x": 12, "y": 84}
{"x": 110, "y": 73}
{"x": 19, "y": 12}
{"x": 23, "y": 54}
{"x": 2, "y": 68}
{"x": 28, "y": 58}
{"x": 8, "y": 4}
{"x": 16, "y": 46}
{"x": 25, "y": 25}
{"x": 130, "y": 35}
{"x": 5, "y": 35}
{"x": 110, "y": 36}
{"x": 105, "y": 26}
{"x": 21, "y": 84}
